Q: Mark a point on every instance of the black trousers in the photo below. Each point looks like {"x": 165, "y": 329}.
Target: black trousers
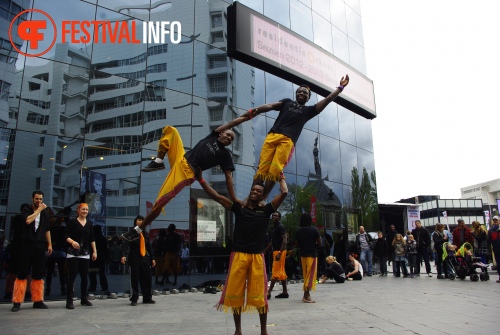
{"x": 423, "y": 253}
{"x": 76, "y": 265}
{"x": 140, "y": 273}
{"x": 337, "y": 277}
{"x": 31, "y": 260}
{"x": 350, "y": 268}
{"x": 51, "y": 265}
{"x": 103, "y": 280}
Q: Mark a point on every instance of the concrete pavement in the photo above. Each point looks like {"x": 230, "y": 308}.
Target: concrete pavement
{"x": 375, "y": 305}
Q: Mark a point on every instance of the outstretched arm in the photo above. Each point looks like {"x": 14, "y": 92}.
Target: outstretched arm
{"x": 214, "y": 195}
{"x": 230, "y": 186}
{"x": 250, "y": 114}
{"x": 278, "y": 200}
{"x": 321, "y": 105}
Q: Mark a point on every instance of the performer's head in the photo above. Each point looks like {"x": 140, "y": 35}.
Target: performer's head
{"x": 257, "y": 192}
{"x": 305, "y": 220}
{"x": 303, "y": 94}
{"x": 226, "y": 137}
{"x": 276, "y": 216}
{"x": 37, "y": 197}
{"x": 138, "y": 220}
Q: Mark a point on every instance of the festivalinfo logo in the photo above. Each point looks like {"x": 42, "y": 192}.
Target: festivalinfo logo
{"x": 102, "y": 32}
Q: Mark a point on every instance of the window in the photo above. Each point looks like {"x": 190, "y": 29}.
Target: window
{"x": 36, "y": 118}
{"x": 218, "y": 84}
{"x": 39, "y": 163}
{"x": 216, "y": 114}
{"x": 217, "y": 37}
{"x": 216, "y": 20}
{"x": 4, "y": 90}
{"x": 217, "y": 61}
{"x": 42, "y": 141}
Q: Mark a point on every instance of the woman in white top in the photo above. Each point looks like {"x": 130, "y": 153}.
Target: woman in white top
{"x": 80, "y": 237}
{"x": 354, "y": 270}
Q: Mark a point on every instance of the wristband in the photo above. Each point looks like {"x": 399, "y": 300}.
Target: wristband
{"x": 341, "y": 87}
{"x": 201, "y": 181}
{"x": 251, "y": 111}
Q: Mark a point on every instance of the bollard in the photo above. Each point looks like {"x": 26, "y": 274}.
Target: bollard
{"x": 91, "y": 297}
{"x": 156, "y": 292}
{"x": 166, "y": 292}
{"x": 113, "y": 295}
{"x": 194, "y": 290}
{"x": 125, "y": 295}
{"x": 175, "y": 291}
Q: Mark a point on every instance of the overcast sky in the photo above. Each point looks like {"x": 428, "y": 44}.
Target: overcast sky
{"x": 436, "y": 71}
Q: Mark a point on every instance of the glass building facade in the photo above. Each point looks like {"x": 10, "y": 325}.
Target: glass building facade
{"x": 80, "y": 121}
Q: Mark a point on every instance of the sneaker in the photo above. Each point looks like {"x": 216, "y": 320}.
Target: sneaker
{"x": 149, "y": 301}
{"x": 40, "y": 304}
{"x": 381, "y": 275}
{"x": 153, "y": 166}
{"x": 369, "y": 275}
{"x": 69, "y": 305}
{"x": 130, "y": 236}
{"x": 429, "y": 275}
{"x": 16, "y": 307}
{"x": 133, "y": 303}
{"x": 498, "y": 281}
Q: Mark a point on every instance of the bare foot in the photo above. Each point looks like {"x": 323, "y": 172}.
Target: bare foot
{"x": 308, "y": 300}
{"x": 238, "y": 332}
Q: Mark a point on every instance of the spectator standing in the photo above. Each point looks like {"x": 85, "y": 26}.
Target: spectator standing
{"x": 160, "y": 255}
{"x": 462, "y": 234}
{"x": 99, "y": 265}
{"x": 364, "y": 243}
{"x": 411, "y": 253}
{"x": 140, "y": 259}
{"x": 36, "y": 239}
{"x": 115, "y": 255}
{"x": 380, "y": 250}
{"x": 399, "y": 256}
{"x": 439, "y": 237}
{"x": 494, "y": 242}
{"x": 58, "y": 256}
{"x": 390, "y": 235}
{"x": 185, "y": 259}
{"x": 480, "y": 241}
{"x": 80, "y": 237}
{"x": 423, "y": 239}
{"x": 172, "y": 255}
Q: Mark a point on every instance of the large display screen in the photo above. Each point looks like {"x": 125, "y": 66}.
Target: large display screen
{"x": 258, "y": 41}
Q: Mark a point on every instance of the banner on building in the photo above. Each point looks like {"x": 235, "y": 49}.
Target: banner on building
{"x": 413, "y": 215}
{"x": 93, "y": 190}
{"x": 313, "y": 208}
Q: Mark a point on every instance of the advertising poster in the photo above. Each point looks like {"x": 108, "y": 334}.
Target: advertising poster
{"x": 207, "y": 231}
{"x": 413, "y": 215}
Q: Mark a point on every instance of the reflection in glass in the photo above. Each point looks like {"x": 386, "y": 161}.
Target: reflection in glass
{"x": 329, "y": 150}
{"x": 328, "y": 121}
{"x": 278, "y": 10}
{"x": 301, "y": 19}
{"x": 364, "y": 137}
{"x": 349, "y": 161}
{"x": 354, "y": 26}
{"x": 340, "y": 44}
{"x": 337, "y": 10}
{"x": 357, "y": 56}
{"x": 322, "y": 32}
{"x": 304, "y": 153}
{"x": 322, "y": 7}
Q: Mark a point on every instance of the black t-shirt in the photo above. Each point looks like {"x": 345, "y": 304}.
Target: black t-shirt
{"x": 250, "y": 228}
{"x": 277, "y": 236}
{"x": 173, "y": 242}
{"x": 29, "y": 232}
{"x": 84, "y": 235}
{"x": 306, "y": 239}
{"x": 208, "y": 153}
{"x": 292, "y": 118}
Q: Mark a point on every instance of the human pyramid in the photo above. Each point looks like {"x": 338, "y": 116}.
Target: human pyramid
{"x": 252, "y": 217}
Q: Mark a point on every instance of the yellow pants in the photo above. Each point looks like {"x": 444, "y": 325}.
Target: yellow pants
{"x": 247, "y": 272}
{"x": 309, "y": 272}
{"x": 276, "y": 153}
{"x": 279, "y": 266}
{"x": 180, "y": 175}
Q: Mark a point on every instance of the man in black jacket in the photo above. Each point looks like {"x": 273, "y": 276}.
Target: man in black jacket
{"x": 140, "y": 259}
{"x": 423, "y": 239}
{"x": 389, "y": 236}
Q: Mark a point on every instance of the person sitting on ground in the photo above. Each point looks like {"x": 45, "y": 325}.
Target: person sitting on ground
{"x": 333, "y": 270}
{"x": 354, "y": 270}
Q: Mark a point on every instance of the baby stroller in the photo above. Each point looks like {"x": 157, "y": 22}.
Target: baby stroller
{"x": 462, "y": 264}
